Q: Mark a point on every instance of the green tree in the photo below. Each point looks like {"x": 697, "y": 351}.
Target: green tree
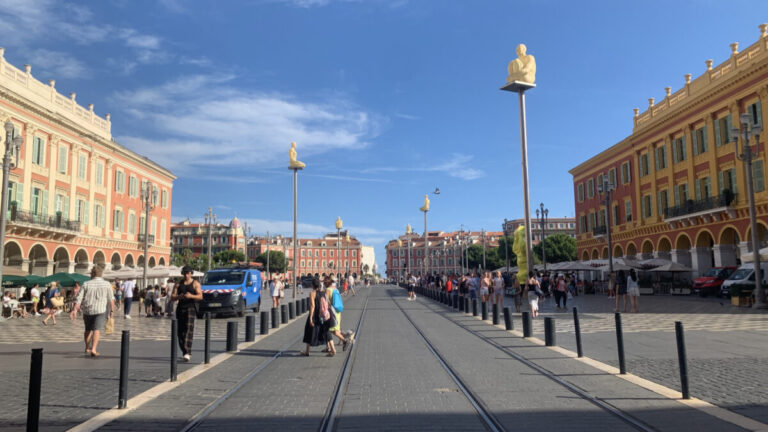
{"x": 492, "y": 259}
{"x": 559, "y": 248}
{"x": 277, "y": 262}
{"x": 225, "y": 257}
{"x": 502, "y": 251}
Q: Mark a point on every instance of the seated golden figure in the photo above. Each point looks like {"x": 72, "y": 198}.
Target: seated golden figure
{"x": 523, "y": 68}
{"x": 425, "y": 207}
{"x": 294, "y": 164}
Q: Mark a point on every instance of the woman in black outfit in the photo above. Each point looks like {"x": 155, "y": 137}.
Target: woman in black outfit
{"x": 315, "y": 332}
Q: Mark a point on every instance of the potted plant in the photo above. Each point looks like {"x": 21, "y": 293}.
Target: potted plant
{"x": 14, "y": 208}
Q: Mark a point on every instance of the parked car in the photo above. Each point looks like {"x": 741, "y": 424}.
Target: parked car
{"x": 710, "y": 282}
{"x": 743, "y": 275}
{"x": 230, "y": 290}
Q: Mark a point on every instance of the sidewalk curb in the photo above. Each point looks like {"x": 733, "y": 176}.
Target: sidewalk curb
{"x": 137, "y": 401}
{"x": 698, "y": 404}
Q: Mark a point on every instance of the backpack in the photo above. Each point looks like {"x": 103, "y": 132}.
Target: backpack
{"x": 324, "y": 313}
{"x": 338, "y": 305}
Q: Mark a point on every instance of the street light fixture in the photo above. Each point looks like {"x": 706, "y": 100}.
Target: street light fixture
{"x": 148, "y": 198}
{"x": 749, "y": 130}
{"x": 606, "y": 187}
{"x": 12, "y": 145}
{"x": 542, "y": 214}
{"x": 506, "y": 243}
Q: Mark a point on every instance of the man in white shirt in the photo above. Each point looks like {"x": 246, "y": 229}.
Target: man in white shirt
{"x": 35, "y": 295}
{"x": 351, "y": 282}
{"x": 128, "y": 288}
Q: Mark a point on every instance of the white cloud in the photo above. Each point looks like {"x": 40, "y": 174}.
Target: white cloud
{"x": 204, "y": 122}
{"x": 457, "y": 166}
{"x": 64, "y": 65}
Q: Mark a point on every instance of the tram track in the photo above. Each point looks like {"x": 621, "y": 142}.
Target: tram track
{"x": 600, "y": 403}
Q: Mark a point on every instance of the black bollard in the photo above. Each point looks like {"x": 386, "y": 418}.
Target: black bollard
{"x": 284, "y": 314}
{"x": 303, "y": 304}
{"x": 291, "y": 310}
{"x": 466, "y": 304}
{"x": 549, "y": 332}
{"x": 275, "y": 318}
{"x": 577, "y": 330}
{"x": 682, "y": 358}
{"x": 460, "y": 301}
{"x": 484, "y": 310}
{"x": 174, "y": 346}
{"x": 455, "y": 299}
{"x": 231, "y": 336}
{"x": 35, "y": 380}
{"x": 250, "y": 328}
{"x": 527, "y": 324}
{"x": 207, "y": 343}
{"x": 474, "y": 307}
{"x": 495, "y": 315}
{"x": 264, "y": 324}
{"x": 508, "y": 323}
{"x": 620, "y": 344}
{"x": 122, "y": 394}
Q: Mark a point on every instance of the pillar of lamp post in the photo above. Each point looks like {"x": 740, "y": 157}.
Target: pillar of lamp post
{"x": 339, "y": 225}
{"x": 522, "y": 74}
{"x": 210, "y": 220}
{"x": 426, "y": 244}
{"x": 607, "y": 188}
{"x": 348, "y": 261}
{"x": 506, "y": 244}
{"x": 148, "y": 197}
{"x": 747, "y": 131}
{"x": 483, "y": 231}
{"x": 295, "y": 166}
{"x": 269, "y": 273}
{"x": 542, "y": 214}
{"x": 12, "y": 145}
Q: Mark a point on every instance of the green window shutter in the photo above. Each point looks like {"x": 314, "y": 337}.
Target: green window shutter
{"x": 757, "y": 176}
{"x": 759, "y": 111}
{"x": 44, "y": 210}
{"x": 677, "y": 195}
{"x": 732, "y": 177}
{"x": 20, "y": 195}
{"x": 697, "y": 189}
{"x": 718, "y": 141}
{"x": 728, "y": 127}
{"x": 85, "y": 212}
{"x": 695, "y": 141}
{"x": 683, "y": 147}
{"x": 705, "y": 144}
{"x": 78, "y": 209}
{"x": 658, "y": 199}
{"x": 674, "y": 152}
{"x": 103, "y": 215}
{"x": 642, "y": 208}
{"x": 65, "y": 207}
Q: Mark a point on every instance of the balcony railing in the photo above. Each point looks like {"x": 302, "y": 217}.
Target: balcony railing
{"x": 56, "y": 221}
{"x": 599, "y": 230}
{"x": 150, "y": 238}
{"x": 691, "y": 206}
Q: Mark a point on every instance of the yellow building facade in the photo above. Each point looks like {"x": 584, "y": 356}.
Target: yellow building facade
{"x": 680, "y": 189}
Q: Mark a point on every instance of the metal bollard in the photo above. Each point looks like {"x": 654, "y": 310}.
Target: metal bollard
{"x": 122, "y": 394}
{"x": 577, "y": 330}
{"x": 466, "y": 304}
{"x": 284, "y": 314}
{"x": 264, "y": 324}
{"x": 484, "y": 310}
{"x": 207, "y": 348}
{"x": 291, "y": 310}
{"x": 460, "y": 301}
{"x": 474, "y": 307}
{"x": 250, "y": 328}
{"x": 495, "y": 315}
{"x": 174, "y": 347}
{"x": 231, "y": 336}
{"x": 527, "y": 325}
{"x": 682, "y": 358}
{"x": 35, "y": 380}
{"x": 455, "y": 299}
{"x": 549, "y": 332}
{"x": 508, "y": 323}
{"x": 275, "y": 320}
{"x": 620, "y": 344}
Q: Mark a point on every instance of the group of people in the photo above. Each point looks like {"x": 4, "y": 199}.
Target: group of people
{"x": 324, "y": 320}
{"x": 49, "y": 303}
{"x": 623, "y": 284}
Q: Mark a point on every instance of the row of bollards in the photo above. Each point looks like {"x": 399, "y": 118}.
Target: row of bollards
{"x": 462, "y": 304}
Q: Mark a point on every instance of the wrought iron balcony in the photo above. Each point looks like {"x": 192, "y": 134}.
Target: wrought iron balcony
{"x": 150, "y": 239}
{"x": 57, "y": 221}
{"x": 691, "y": 206}
{"x": 599, "y": 230}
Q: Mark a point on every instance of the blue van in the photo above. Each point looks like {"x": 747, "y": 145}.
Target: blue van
{"x": 230, "y": 290}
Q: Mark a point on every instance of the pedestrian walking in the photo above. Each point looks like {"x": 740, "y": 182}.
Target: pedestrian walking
{"x": 351, "y": 282}
{"x": 517, "y": 293}
{"x": 187, "y": 293}
{"x": 497, "y": 296}
{"x": 129, "y": 286}
{"x": 35, "y": 293}
{"x": 411, "y": 287}
{"x": 633, "y": 289}
{"x": 533, "y": 290}
{"x": 474, "y": 285}
{"x": 53, "y": 301}
{"x": 316, "y": 327}
{"x": 621, "y": 290}
{"x": 97, "y": 302}
{"x": 118, "y": 294}
{"x": 337, "y": 306}
{"x": 485, "y": 286}
{"x": 149, "y": 301}
{"x": 561, "y": 292}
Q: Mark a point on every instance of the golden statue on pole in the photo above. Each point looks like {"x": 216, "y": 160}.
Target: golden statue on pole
{"x": 523, "y": 68}
{"x": 425, "y": 207}
{"x": 294, "y": 164}
{"x": 408, "y": 229}
{"x": 338, "y": 223}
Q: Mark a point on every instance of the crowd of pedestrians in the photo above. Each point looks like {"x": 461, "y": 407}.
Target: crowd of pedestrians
{"x": 324, "y": 319}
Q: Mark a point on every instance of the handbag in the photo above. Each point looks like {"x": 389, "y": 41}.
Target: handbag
{"x": 57, "y": 302}
{"x": 110, "y": 327}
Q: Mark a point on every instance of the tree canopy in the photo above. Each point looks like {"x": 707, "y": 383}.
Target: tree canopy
{"x": 559, "y": 248}
{"x": 277, "y": 262}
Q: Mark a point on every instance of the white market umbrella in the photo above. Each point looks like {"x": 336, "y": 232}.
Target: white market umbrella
{"x": 750, "y": 257}
{"x": 671, "y": 267}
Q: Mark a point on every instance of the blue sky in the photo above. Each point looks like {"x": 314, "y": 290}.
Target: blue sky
{"x": 387, "y": 99}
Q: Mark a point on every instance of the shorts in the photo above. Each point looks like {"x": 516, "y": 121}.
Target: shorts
{"x": 35, "y": 299}
{"x": 634, "y": 292}
{"x": 410, "y": 289}
{"x": 473, "y": 294}
{"x": 622, "y": 289}
{"x": 275, "y": 292}
{"x": 534, "y": 302}
{"x": 95, "y": 322}
{"x": 483, "y": 292}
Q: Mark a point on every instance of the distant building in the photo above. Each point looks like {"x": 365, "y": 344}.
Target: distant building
{"x": 565, "y": 226}
{"x": 194, "y": 236}
{"x": 368, "y": 259}
{"x": 445, "y": 250}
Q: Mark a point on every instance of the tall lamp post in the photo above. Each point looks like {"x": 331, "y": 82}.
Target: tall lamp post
{"x": 295, "y": 166}
{"x": 148, "y": 198}
{"x": 348, "y": 263}
{"x": 269, "y": 273}
{"x": 408, "y": 232}
{"x": 542, "y": 214}
{"x": 749, "y": 130}
{"x": 607, "y": 188}
{"x": 339, "y": 225}
{"x": 484, "y": 268}
{"x": 11, "y": 145}
{"x": 210, "y": 220}
{"x": 506, "y": 243}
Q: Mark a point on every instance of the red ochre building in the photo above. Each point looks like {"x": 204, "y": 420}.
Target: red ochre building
{"x": 194, "y": 236}
{"x": 680, "y": 191}
{"x": 444, "y": 248}
{"x": 316, "y": 255}
{"x": 565, "y": 226}
{"x": 74, "y": 196}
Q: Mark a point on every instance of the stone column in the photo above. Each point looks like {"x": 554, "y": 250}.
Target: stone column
{"x": 681, "y": 256}
{"x": 725, "y": 255}
{"x": 701, "y": 260}
{"x": 71, "y": 267}
{"x": 49, "y": 268}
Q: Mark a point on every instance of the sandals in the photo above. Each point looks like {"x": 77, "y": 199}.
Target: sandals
{"x": 305, "y": 354}
{"x": 330, "y": 354}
